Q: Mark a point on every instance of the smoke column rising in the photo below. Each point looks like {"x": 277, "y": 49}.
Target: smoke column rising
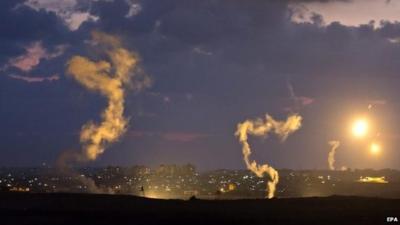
{"x": 331, "y": 156}
{"x": 87, "y": 182}
{"x": 109, "y": 79}
{"x": 260, "y": 127}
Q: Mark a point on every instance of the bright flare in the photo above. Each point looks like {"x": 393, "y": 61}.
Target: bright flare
{"x": 375, "y": 148}
{"x": 360, "y": 128}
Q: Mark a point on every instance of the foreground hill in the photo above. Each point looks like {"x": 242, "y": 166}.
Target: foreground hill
{"x": 75, "y": 209}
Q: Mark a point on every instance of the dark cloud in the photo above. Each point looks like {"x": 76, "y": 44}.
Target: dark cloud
{"x": 296, "y": 1}
{"x": 232, "y": 57}
{"x": 35, "y": 79}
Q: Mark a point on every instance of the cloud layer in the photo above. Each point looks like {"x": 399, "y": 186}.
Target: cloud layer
{"x": 213, "y": 63}
{"x": 67, "y": 10}
{"x": 349, "y": 13}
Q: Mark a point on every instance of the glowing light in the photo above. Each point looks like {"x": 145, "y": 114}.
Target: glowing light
{"x": 155, "y": 195}
{"x": 360, "y": 128}
{"x": 152, "y": 196}
{"x": 375, "y": 148}
{"x": 380, "y": 180}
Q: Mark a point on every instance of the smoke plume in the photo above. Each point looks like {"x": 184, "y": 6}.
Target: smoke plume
{"x": 298, "y": 102}
{"x": 62, "y": 167}
{"x": 261, "y": 127}
{"x": 331, "y": 156}
{"x": 109, "y": 78}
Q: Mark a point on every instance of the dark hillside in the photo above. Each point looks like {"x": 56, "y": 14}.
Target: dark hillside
{"x": 75, "y": 209}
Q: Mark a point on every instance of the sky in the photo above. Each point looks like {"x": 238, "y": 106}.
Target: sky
{"x": 213, "y": 64}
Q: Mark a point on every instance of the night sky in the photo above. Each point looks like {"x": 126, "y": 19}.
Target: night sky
{"x": 213, "y": 64}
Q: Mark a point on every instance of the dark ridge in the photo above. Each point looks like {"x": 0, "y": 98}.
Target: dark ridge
{"x": 76, "y": 209}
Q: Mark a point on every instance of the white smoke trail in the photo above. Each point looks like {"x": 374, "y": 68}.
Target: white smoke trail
{"x": 260, "y": 127}
{"x": 331, "y": 156}
{"x": 109, "y": 79}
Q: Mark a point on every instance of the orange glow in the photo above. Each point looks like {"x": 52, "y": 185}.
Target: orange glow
{"x": 375, "y": 148}
{"x": 380, "y": 180}
{"x": 360, "y": 128}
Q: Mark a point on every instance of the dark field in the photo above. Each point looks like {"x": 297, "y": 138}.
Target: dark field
{"x": 75, "y": 209}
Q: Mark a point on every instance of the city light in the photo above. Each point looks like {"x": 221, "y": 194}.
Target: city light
{"x": 379, "y": 180}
